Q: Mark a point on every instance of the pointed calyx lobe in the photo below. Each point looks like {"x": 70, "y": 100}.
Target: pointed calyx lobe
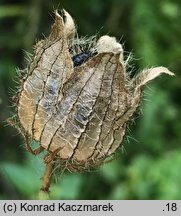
{"x": 80, "y": 109}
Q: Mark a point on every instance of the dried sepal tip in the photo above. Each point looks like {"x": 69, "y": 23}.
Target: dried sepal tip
{"x": 109, "y": 44}
{"x": 69, "y": 25}
{"x": 149, "y": 74}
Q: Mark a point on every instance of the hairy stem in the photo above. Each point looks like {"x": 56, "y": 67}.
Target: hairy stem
{"x": 46, "y": 181}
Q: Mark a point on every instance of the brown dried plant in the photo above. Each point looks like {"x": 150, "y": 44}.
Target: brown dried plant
{"x": 76, "y": 98}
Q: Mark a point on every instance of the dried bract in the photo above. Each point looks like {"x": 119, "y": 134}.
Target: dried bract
{"x": 78, "y": 113}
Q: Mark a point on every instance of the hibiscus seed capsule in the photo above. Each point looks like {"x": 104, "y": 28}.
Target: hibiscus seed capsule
{"x": 77, "y": 106}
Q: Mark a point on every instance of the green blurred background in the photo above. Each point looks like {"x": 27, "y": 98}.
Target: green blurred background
{"x": 149, "y": 165}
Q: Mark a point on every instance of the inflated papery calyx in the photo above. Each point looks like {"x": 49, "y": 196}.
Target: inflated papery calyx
{"x": 79, "y": 112}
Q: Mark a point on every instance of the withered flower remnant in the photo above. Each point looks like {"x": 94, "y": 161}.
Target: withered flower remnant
{"x": 77, "y": 104}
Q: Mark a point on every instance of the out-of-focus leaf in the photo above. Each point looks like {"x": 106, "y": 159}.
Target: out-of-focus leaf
{"x": 12, "y": 10}
{"x": 22, "y": 178}
{"x": 120, "y": 192}
{"x": 111, "y": 171}
{"x": 68, "y": 188}
{"x": 170, "y": 9}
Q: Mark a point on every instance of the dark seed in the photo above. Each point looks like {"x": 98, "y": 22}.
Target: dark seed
{"x": 81, "y": 58}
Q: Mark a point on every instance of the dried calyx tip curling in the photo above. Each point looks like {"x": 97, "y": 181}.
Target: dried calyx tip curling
{"x": 69, "y": 25}
{"x": 149, "y": 74}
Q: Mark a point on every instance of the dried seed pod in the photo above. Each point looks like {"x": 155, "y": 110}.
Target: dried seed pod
{"x": 79, "y": 114}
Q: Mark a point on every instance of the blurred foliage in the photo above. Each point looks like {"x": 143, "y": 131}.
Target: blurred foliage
{"x": 149, "y": 164}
